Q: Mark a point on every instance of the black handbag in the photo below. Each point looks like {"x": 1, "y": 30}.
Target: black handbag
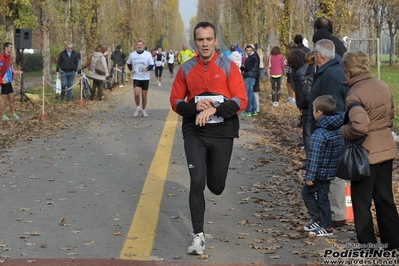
{"x": 354, "y": 164}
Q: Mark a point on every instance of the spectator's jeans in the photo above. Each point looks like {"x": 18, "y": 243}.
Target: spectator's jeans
{"x": 319, "y": 208}
{"x": 67, "y": 82}
{"x": 249, "y": 86}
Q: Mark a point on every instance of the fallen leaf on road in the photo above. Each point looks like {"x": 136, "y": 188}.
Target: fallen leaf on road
{"x": 89, "y": 243}
{"x": 35, "y": 233}
{"x": 204, "y": 256}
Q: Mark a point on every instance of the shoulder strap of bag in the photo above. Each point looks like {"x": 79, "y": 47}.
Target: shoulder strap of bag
{"x": 360, "y": 141}
{"x": 351, "y": 105}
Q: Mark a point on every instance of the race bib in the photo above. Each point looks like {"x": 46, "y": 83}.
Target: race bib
{"x": 213, "y": 118}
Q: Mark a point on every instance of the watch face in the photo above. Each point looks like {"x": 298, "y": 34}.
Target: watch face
{"x": 216, "y": 104}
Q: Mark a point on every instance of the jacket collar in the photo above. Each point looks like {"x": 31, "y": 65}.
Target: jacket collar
{"x": 213, "y": 58}
{"x": 329, "y": 63}
{"x": 350, "y": 82}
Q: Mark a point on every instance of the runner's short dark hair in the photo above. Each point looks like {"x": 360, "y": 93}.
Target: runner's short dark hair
{"x": 204, "y": 24}
{"x": 6, "y": 44}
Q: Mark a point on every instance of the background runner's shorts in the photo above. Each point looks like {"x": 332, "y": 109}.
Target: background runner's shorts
{"x": 6, "y": 88}
{"x": 143, "y": 84}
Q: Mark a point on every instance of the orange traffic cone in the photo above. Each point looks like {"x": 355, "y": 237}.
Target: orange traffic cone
{"x": 349, "y": 210}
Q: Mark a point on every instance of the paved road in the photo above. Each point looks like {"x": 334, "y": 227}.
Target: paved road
{"x": 117, "y": 187}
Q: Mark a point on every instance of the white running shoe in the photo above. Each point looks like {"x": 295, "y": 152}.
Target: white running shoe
{"x": 144, "y": 113}
{"x": 198, "y": 245}
{"x": 159, "y": 84}
{"x": 137, "y": 112}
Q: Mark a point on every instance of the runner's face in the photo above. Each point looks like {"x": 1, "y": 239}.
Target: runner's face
{"x": 140, "y": 47}
{"x": 8, "y": 49}
{"x": 206, "y": 42}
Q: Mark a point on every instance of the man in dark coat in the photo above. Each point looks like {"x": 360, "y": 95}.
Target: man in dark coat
{"x": 67, "y": 64}
{"x": 325, "y": 23}
{"x": 328, "y": 81}
{"x": 298, "y": 39}
{"x": 119, "y": 59}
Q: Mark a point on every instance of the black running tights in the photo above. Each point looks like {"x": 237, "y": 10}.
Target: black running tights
{"x": 208, "y": 162}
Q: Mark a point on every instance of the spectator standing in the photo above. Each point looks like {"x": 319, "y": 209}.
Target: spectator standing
{"x": 250, "y": 73}
{"x": 235, "y": 56}
{"x": 119, "y": 59}
{"x": 299, "y": 44}
{"x": 140, "y": 62}
{"x": 6, "y": 78}
{"x": 291, "y": 99}
{"x": 98, "y": 80}
{"x": 159, "y": 60}
{"x": 210, "y": 121}
{"x": 375, "y": 119}
{"x": 67, "y": 64}
{"x": 325, "y": 150}
{"x": 107, "y": 83}
{"x": 257, "y": 79}
{"x": 296, "y": 60}
{"x": 276, "y": 66}
{"x": 328, "y": 81}
{"x": 170, "y": 57}
{"x": 325, "y": 23}
{"x": 262, "y": 73}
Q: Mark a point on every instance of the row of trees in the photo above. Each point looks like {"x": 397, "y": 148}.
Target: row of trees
{"x": 88, "y": 23}
{"x": 275, "y": 22}
{"x": 158, "y": 22}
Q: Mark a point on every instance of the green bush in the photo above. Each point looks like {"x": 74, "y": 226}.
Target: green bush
{"x": 32, "y": 62}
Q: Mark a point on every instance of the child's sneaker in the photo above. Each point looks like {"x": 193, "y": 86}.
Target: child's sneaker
{"x": 15, "y": 116}
{"x": 312, "y": 225}
{"x": 198, "y": 245}
{"x": 320, "y": 231}
{"x": 5, "y": 118}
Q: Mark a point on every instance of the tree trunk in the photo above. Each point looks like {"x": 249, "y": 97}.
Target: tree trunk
{"x": 67, "y": 19}
{"x": 45, "y": 38}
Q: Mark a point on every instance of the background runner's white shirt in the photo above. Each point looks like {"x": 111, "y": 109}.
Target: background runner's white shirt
{"x": 171, "y": 58}
{"x": 140, "y": 61}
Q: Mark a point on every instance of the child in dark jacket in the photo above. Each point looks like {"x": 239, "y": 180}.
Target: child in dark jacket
{"x": 325, "y": 149}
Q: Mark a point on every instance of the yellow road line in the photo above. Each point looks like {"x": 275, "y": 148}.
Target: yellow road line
{"x": 140, "y": 238}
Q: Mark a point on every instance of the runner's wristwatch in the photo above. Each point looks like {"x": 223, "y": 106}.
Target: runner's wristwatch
{"x": 216, "y": 104}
